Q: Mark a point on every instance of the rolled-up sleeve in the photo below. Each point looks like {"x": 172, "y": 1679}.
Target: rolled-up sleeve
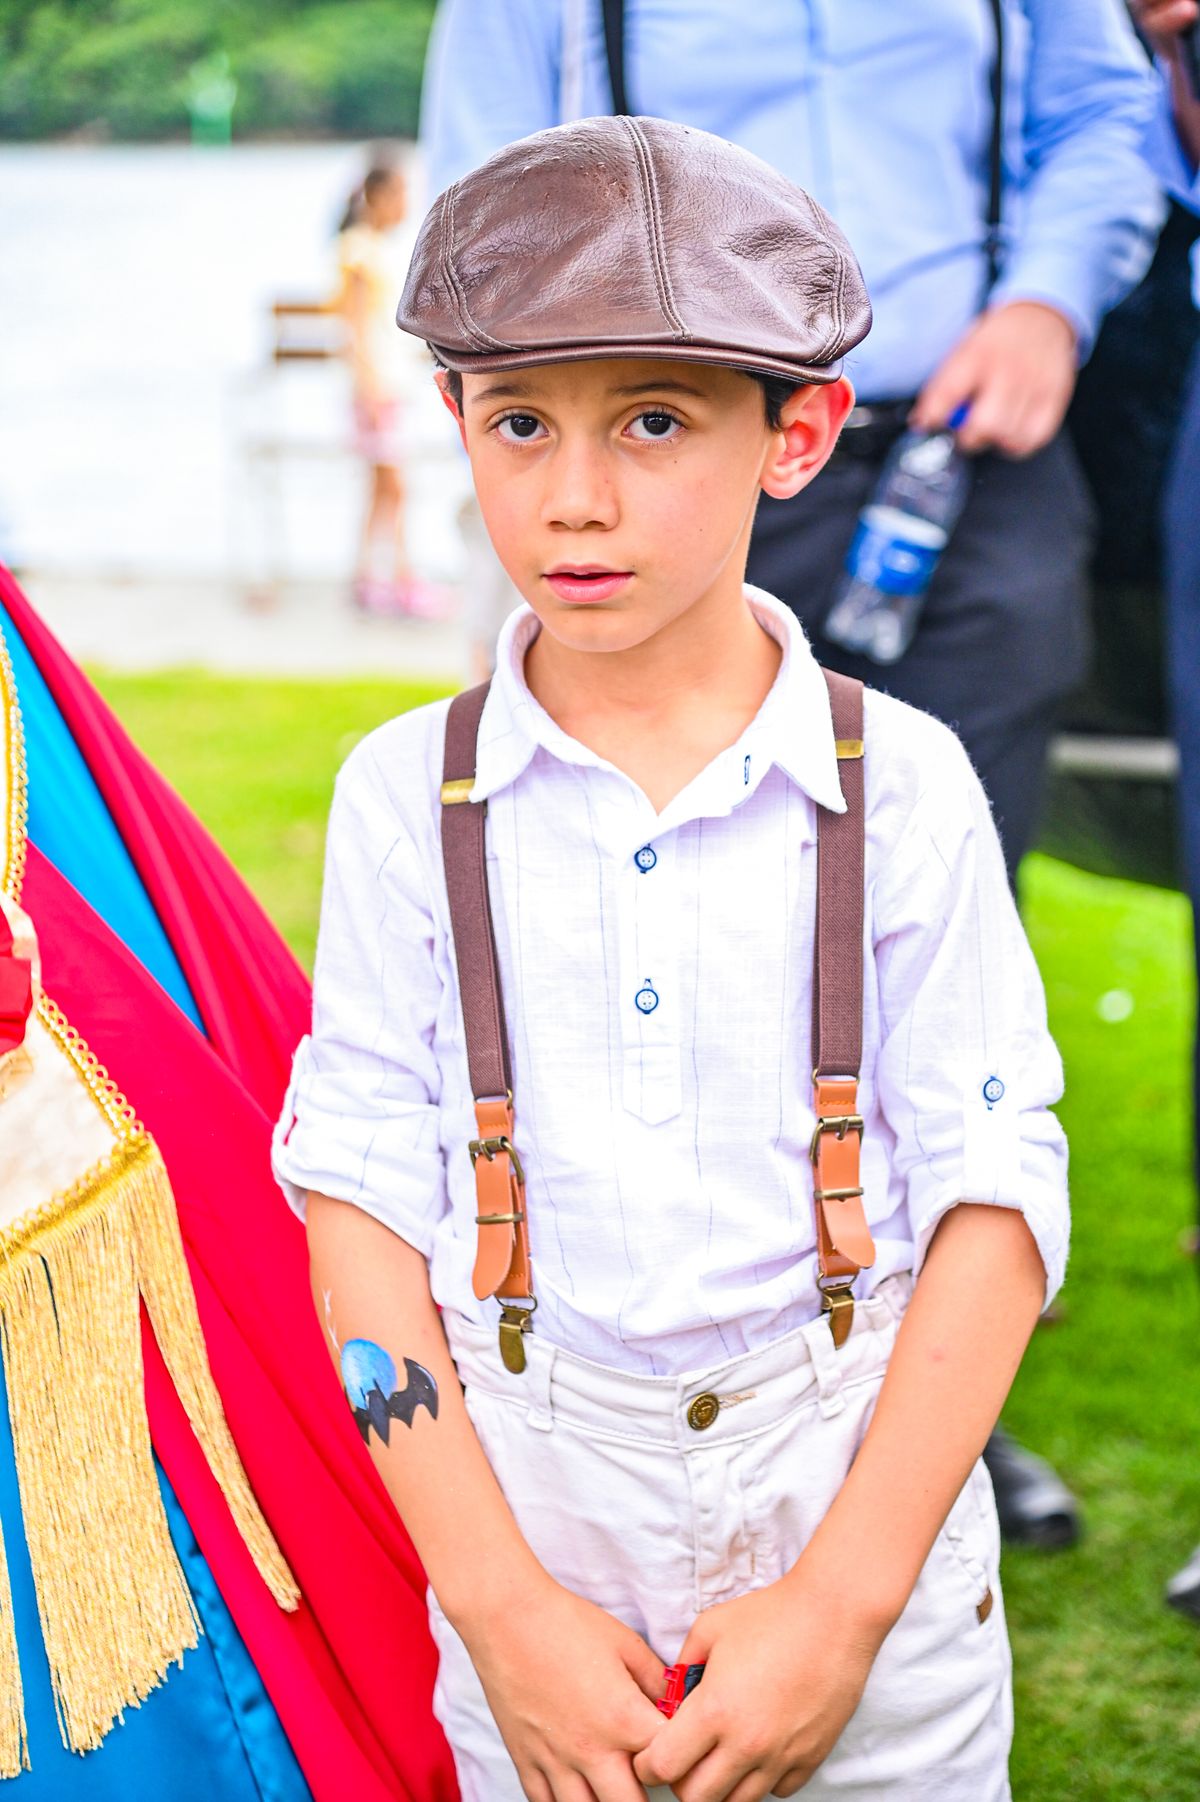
{"x": 967, "y": 1071}
{"x": 1089, "y": 211}
{"x": 360, "y": 1121}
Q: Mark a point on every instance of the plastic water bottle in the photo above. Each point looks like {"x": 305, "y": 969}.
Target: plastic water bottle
{"x": 899, "y": 539}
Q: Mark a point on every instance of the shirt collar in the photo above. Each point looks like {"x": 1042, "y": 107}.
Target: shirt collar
{"x": 793, "y": 729}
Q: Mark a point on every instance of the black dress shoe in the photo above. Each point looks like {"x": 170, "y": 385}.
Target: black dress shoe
{"x": 1183, "y": 1590}
{"x": 1034, "y": 1504}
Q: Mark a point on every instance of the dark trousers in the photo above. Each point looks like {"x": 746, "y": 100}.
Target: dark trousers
{"x": 1003, "y": 638}
{"x": 1182, "y": 569}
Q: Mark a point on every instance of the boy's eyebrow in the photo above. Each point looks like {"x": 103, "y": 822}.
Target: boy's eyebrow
{"x": 522, "y": 390}
{"x": 503, "y": 391}
{"x": 670, "y": 386}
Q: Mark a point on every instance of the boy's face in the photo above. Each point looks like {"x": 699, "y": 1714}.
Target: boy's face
{"x": 619, "y": 495}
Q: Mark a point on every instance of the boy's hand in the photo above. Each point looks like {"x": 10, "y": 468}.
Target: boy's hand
{"x": 573, "y": 1694}
{"x": 786, "y": 1667}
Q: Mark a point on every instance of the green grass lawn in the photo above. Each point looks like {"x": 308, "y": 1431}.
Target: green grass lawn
{"x": 1108, "y": 1682}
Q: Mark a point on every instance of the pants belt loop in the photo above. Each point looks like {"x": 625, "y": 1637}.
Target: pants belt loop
{"x": 826, "y": 1367}
{"x": 538, "y": 1374}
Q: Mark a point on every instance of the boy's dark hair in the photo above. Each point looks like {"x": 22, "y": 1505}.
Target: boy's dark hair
{"x": 776, "y": 389}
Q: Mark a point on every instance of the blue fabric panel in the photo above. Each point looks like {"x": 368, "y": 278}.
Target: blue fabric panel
{"x": 71, "y": 825}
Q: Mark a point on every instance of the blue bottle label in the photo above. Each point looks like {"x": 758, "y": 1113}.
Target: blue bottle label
{"x": 886, "y": 551}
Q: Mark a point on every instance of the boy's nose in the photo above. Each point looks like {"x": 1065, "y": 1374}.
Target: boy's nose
{"x": 580, "y": 492}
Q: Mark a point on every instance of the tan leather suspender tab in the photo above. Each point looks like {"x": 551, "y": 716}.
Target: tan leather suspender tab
{"x": 502, "y": 1253}
{"x": 502, "y": 1263}
{"x": 844, "y": 1243}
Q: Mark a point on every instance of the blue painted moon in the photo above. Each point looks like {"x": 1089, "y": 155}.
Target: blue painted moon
{"x": 366, "y": 1366}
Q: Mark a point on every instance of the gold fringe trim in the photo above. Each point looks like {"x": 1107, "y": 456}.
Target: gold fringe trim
{"x": 14, "y": 1745}
{"x": 115, "y": 1608}
{"x": 171, "y": 1303}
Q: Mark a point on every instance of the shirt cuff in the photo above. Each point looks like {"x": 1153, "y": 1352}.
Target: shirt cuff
{"x": 389, "y": 1165}
{"x": 1040, "y": 282}
{"x": 1040, "y": 1196}
{"x": 1166, "y": 155}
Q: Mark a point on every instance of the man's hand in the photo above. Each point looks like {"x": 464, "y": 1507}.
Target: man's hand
{"x": 1163, "y": 21}
{"x": 573, "y": 1694}
{"x": 786, "y": 1667}
{"x": 1015, "y": 367}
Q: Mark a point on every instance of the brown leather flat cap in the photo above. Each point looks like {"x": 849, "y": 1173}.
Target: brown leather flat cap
{"x": 621, "y": 237}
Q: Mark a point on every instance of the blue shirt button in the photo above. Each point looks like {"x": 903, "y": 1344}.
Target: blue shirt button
{"x": 646, "y": 999}
{"x": 646, "y": 858}
{"x": 993, "y": 1091}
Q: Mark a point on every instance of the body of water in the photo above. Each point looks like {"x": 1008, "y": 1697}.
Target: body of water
{"x": 135, "y": 300}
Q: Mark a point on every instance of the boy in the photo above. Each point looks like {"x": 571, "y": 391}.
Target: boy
{"x": 723, "y": 1438}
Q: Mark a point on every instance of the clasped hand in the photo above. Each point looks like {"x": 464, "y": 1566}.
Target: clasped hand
{"x": 573, "y": 1693}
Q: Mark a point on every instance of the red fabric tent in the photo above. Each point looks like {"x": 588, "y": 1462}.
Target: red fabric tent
{"x": 350, "y": 1673}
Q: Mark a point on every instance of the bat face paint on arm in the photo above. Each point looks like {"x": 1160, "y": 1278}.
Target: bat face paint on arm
{"x": 369, "y": 1379}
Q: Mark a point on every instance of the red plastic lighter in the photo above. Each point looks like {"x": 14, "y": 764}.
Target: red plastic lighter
{"x": 681, "y": 1680}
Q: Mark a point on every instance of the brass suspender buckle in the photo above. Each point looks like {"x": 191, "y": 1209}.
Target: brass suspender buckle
{"x": 841, "y": 1124}
{"x": 837, "y": 1301}
{"x": 492, "y": 1148}
{"x": 515, "y": 1322}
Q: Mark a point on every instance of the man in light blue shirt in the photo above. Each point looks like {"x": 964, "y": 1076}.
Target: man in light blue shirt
{"x": 888, "y": 115}
{"x": 884, "y": 113}
{"x": 1173, "y": 147}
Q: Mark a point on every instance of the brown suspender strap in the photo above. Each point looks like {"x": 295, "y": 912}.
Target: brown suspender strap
{"x": 502, "y": 1264}
{"x": 844, "y": 1245}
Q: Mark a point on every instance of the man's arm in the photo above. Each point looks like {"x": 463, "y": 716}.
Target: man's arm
{"x": 1084, "y": 223}
{"x": 522, "y": 1629}
{"x": 1165, "y": 22}
{"x": 492, "y": 75}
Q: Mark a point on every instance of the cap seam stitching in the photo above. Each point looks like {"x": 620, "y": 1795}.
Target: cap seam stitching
{"x": 839, "y": 308}
{"x": 447, "y": 269}
{"x": 666, "y": 299}
{"x": 470, "y": 328}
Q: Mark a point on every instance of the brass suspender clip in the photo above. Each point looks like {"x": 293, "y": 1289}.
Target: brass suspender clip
{"x": 515, "y": 1322}
{"x": 837, "y": 1300}
{"x": 841, "y": 1124}
{"x": 492, "y": 1148}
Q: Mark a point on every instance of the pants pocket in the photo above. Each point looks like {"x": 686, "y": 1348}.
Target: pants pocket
{"x": 970, "y": 1538}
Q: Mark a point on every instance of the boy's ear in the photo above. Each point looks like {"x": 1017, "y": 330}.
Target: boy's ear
{"x": 442, "y": 379}
{"x": 811, "y": 420}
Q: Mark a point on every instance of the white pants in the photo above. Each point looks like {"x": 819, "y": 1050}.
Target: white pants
{"x": 654, "y": 1519}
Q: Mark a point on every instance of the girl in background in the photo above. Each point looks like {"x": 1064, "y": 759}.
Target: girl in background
{"x": 372, "y": 263}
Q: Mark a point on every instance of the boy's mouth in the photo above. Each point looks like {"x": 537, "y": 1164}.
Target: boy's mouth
{"x": 580, "y": 583}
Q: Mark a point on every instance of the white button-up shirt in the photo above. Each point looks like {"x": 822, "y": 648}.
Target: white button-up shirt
{"x": 657, "y": 974}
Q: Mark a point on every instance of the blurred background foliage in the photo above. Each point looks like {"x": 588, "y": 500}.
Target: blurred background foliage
{"x": 130, "y": 69}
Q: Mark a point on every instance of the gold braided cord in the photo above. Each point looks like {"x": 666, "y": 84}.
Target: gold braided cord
{"x": 12, "y": 874}
{"x": 14, "y": 1744}
{"x": 95, "y": 1078}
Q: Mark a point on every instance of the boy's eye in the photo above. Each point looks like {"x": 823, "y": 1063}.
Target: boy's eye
{"x": 519, "y": 428}
{"x": 654, "y": 425}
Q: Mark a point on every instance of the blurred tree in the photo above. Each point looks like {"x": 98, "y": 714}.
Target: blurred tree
{"x": 122, "y": 68}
